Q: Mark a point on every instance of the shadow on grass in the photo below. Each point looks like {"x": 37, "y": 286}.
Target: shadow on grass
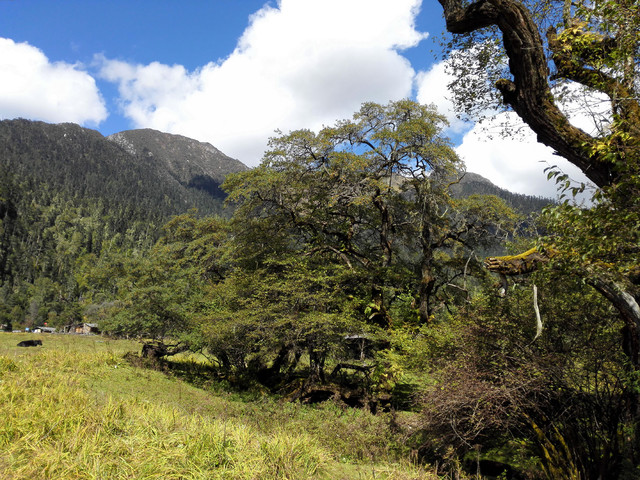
{"x": 198, "y": 374}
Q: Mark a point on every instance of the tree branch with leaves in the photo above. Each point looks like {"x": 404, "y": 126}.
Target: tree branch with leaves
{"x": 596, "y": 48}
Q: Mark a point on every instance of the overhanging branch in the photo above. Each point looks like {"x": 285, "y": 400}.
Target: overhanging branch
{"x": 529, "y": 92}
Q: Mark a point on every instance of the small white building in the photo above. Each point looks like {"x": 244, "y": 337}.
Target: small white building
{"x": 44, "y": 330}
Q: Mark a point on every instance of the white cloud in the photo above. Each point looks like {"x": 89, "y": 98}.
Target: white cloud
{"x": 33, "y": 87}
{"x": 502, "y": 148}
{"x": 303, "y": 64}
{"x": 515, "y": 162}
{"x": 432, "y": 88}
{"x": 512, "y": 162}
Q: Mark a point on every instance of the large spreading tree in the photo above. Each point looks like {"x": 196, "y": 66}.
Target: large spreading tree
{"x": 371, "y": 193}
{"x": 593, "y": 47}
{"x": 539, "y": 52}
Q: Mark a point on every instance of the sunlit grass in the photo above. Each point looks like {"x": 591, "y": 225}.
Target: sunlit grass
{"x": 75, "y": 409}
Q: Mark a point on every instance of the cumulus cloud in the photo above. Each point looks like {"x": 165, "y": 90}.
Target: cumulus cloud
{"x": 432, "y": 89}
{"x": 33, "y": 87}
{"x": 502, "y": 148}
{"x": 515, "y": 162}
{"x": 297, "y": 65}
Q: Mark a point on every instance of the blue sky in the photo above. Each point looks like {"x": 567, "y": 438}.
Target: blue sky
{"x": 231, "y": 72}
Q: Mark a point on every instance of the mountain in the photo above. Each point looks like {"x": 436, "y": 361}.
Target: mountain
{"x": 160, "y": 172}
{"x": 474, "y": 184}
{"x": 70, "y": 197}
{"x": 192, "y": 164}
{"x": 168, "y": 174}
{"x": 465, "y": 184}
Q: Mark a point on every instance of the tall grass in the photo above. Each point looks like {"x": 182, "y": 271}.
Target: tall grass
{"x": 73, "y": 409}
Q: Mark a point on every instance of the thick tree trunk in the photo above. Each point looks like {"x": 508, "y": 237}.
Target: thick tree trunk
{"x": 427, "y": 285}
{"x": 627, "y": 306}
{"x": 316, "y": 366}
{"x": 529, "y": 93}
{"x": 378, "y": 315}
{"x": 158, "y": 349}
{"x": 386, "y": 223}
{"x": 516, "y": 264}
{"x": 425, "y": 290}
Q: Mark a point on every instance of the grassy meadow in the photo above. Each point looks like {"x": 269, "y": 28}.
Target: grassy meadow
{"x": 74, "y": 408}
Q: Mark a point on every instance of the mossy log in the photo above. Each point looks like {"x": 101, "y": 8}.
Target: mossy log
{"x": 520, "y": 264}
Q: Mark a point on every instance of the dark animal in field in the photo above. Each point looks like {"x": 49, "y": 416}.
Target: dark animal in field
{"x": 30, "y": 343}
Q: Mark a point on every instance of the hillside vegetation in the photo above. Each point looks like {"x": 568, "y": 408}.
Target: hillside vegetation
{"x": 75, "y": 408}
{"x": 68, "y": 195}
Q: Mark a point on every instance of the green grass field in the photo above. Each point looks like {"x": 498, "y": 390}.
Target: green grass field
{"x": 75, "y": 409}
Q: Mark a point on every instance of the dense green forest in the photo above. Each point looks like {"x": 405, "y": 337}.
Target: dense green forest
{"x": 69, "y": 196}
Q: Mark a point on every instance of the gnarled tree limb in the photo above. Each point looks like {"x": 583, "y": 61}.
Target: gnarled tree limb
{"x": 520, "y": 264}
{"x": 529, "y": 92}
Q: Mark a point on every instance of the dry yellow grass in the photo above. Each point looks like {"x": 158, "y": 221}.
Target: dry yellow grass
{"x": 73, "y": 409}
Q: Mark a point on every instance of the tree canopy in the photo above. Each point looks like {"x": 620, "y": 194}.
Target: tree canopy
{"x": 373, "y": 194}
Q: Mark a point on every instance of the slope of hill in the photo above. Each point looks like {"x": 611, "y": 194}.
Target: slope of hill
{"x": 474, "y": 184}
{"x": 75, "y": 408}
{"x": 466, "y": 184}
{"x": 193, "y": 164}
{"x": 68, "y": 195}
{"x": 160, "y": 172}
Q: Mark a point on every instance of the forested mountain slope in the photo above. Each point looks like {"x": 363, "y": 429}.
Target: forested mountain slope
{"x": 193, "y": 164}
{"x": 474, "y": 184}
{"x": 148, "y": 169}
{"x": 68, "y": 195}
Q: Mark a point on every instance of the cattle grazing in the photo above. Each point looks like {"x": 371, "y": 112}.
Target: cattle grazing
{"x": 30, "y": 343}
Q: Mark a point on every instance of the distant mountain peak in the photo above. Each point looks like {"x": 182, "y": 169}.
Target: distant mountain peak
{"x": 163, "y": 172}
{"x": 121, "y": 139}
{"x": 473, "y": 183}
{"x": 475, "y": 177}
{"x": 183, "y": 158}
